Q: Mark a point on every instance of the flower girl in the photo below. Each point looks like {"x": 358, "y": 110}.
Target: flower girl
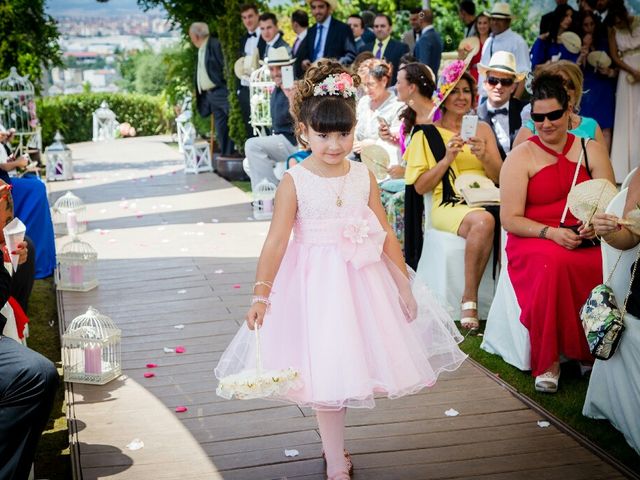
{"x": 335, "y": 307}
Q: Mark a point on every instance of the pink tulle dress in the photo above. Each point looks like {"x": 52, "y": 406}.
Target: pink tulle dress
{"x": 337, "y": 315}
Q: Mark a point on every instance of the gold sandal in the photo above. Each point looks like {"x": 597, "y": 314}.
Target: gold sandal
{"x": 470, "y": 323}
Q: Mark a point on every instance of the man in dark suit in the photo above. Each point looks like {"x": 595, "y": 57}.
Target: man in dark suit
{"x": 328, "y": 38}
{"x": 270, "y": 34}
{"x": 211, "y": 88}
{"x": 501, "y": 110}
{"x": 356, "y": 24}
{"x": 428, "y": 49}
{"x": 249, "y": 42}
{"x": 300, "y": 25}
{"x": 411, "y": 36}
{"x": 384, "y": 46}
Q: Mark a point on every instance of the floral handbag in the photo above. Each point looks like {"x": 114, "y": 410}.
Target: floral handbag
{"x": 602, "y": 320}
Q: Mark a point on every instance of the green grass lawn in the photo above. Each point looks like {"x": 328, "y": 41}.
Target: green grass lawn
{"x": 52, "y": 459}
{"x": 566, "y": 404}
{"x": 245, "y": 186}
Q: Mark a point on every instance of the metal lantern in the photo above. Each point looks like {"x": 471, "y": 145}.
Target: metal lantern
{"x": 18, "y": 110}
{"x": 260, "y": 88}
{"x": 183, "y": 122}
{"x": 197, "y": 158}
{"x": 104, "y": 123}
{"x": 91, "y": 349}
{"x": 77, "y": 265}
{"x": 263, "y": 198}
{"x": 59, "y": 162}
{"x": 68, "y": 215}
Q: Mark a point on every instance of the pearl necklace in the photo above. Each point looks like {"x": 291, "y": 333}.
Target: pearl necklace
{"x": 339, "y": 201}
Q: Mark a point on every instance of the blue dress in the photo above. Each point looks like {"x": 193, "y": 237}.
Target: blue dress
{"x": 31, "y": 206}
{"x": 599, "y": 94}
{"x": 543, "y": 50}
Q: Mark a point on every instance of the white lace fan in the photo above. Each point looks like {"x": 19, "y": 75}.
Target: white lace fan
{"x": 588, "y": 198}
{"x": 258, "y": 383}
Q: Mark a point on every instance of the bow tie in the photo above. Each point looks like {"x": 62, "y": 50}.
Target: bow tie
{"x": 499, "y": 111}
{"x": 254, "y": 34}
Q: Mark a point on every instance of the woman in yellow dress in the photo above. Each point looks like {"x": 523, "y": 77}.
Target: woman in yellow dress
{"x": 435, "y": 157}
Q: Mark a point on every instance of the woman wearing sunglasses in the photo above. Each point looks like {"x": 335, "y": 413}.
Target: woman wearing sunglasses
{"x": 551, "y": 272}
{"x": 580, "y": 126}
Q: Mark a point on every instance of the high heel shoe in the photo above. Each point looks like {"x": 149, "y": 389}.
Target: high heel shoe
{"x": 470, "y": 323}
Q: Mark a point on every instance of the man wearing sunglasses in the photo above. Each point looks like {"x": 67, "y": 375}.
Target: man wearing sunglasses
{"x": 501, "y": 110}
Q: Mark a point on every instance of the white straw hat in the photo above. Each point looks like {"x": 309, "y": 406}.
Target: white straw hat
{"x": 499, "y": 10}
{"x": 504, "y": 62}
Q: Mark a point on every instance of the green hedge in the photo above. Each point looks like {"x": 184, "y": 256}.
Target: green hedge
{"x": 72, "y": 114}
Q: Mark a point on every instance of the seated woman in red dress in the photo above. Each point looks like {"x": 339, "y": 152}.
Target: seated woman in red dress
{"x": 551, "y": 273}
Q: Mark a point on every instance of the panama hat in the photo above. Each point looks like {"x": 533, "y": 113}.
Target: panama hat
{"x": 504, "y": 62}
{"x": 499, "y": 10}
{"x": 377, "y": 160}
{"x": 244, "y": 66}
{"x": 599, "y": 59}
{"x": 278, "y": 57}
{"x": 333, "y": 4}
{"x": 470, "y": 45}
{"x": 571, "y": 41}
{"x": 588, "y": 198}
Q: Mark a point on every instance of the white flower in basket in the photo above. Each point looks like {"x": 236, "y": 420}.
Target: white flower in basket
{"x": 259, "y": 383}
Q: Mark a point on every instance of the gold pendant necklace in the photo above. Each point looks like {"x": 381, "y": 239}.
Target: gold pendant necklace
{"x": 339, "y": 201}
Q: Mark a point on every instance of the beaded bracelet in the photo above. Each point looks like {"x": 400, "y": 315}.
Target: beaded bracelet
{"x": 259, "y": 299}
{"x": 265, "y": 283}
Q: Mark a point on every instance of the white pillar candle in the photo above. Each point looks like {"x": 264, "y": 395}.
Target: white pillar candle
{"x": 72, "y": 223}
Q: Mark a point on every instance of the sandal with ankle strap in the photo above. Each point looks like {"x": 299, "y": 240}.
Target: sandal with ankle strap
{"x": 347, "y": 457}
{"x": 470, "y": 323}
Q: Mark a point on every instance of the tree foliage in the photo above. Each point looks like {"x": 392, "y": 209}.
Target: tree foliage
{"x": 29, "y": 39}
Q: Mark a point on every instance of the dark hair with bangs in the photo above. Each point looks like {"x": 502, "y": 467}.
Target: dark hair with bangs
{"x": 548, "y": 86}
{"x": 323, "y": 113}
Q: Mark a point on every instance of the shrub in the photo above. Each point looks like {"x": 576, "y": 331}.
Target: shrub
{"x": 72, "y": 114}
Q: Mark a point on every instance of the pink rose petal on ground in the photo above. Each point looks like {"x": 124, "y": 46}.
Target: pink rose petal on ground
{"x": 237, "y": 285}
{"x": 149, "y": 374}
{"x": 181, "y": 409}
{"x": 152, "y": 365}
{"x": 180, "y": 349}
{"x": 139, "y": 215}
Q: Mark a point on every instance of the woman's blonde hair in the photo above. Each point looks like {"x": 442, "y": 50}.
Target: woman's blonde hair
{"x": 571, "y": 71}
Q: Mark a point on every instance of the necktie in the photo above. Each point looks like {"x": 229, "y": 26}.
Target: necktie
{"x": 294, "y": 50}
{"x": 379, "y": 52}
{"x": 316, "y": 48}
{"x": 499, "y": 111}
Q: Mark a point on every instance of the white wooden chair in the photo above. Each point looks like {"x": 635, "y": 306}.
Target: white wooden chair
{"x": 441, "y": 267}
{"x": 614, "y": 387}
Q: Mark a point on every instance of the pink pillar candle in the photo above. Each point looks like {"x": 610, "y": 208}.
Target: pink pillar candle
{"x": 267, "y": 205}
{"x": 93, "y": 360}
{"x": 76, "y": 274}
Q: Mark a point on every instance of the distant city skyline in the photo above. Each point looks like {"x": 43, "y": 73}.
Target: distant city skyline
{"x": 90, "y": 8}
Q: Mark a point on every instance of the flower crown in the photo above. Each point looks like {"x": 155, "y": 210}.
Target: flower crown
{"x": 339, "y": 85}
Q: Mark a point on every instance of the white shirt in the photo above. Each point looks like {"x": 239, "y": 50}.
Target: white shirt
{"x": 323, "y": 40}
{"x": 501, "y": 126}
{"x": 249, "y": 47}
{"x": 367, "y": 124}
{"x": 204, "y": 82}
{"x": 507, "y": 41}
{"x": 428, "y": 27}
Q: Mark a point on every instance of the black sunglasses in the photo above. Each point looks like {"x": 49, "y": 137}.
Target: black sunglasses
{"x": 552, "y": 116}
{"x": 506, "y": 82}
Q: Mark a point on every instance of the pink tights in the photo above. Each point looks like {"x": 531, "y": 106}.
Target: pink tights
{"x": 331, "y": 424}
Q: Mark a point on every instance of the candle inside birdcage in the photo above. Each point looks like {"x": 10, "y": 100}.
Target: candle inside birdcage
{"x": 263, "y": 200}
{"x": 91, "y": 349}
{"x": 77, "y": 267}
{"x": 61, "y": 212}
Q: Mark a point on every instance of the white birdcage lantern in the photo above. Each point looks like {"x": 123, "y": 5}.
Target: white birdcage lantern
{"x": 105, "y": 123}
{"x": 197, "y": 155}
{"x": 18, "y": 110}
{"x": 183, "y": 122}
{"x": 91, "y": 349}
{"x": 263, "y": 198}
{"x": 59, "y": 161}
{"x": 260, "y": 88}
{"x": 68, "y": 215}
{"x": 77, "y": 267}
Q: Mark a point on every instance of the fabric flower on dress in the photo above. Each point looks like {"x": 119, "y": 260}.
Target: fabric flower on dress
{"x": 362, "y": 239}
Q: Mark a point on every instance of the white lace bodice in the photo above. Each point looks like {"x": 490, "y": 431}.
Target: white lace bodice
{"x": 317, "y": 195}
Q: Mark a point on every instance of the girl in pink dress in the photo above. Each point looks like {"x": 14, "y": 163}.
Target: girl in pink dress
{"x": 335, "y": 302}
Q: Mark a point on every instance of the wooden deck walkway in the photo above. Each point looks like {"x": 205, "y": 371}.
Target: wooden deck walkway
{"x": 180, "y": 250}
